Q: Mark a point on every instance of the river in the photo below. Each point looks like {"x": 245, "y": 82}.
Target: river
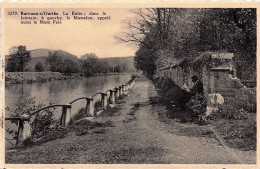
{"x": 61, "y": 92}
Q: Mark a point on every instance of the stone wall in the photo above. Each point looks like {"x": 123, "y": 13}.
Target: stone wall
{"x": 217, "y": 79}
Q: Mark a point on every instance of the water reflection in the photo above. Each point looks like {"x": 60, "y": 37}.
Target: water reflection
{"x": 58, "y": 92}
{"x": 62, "y": 91}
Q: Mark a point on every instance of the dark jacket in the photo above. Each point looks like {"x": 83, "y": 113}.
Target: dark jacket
{"x": 197, "y": 88}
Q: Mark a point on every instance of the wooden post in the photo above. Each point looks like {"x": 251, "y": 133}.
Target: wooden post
{"x": 90, "y": 107}
{"x": 112, "y": 97}
{"x": 24, "y": 129}
{"x": 104, "y": 100}
{"x": 65, "y": 116}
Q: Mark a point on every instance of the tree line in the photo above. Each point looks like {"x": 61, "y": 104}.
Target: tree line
{"x": 165, "y": 34}
{"x": 63, "y": 62}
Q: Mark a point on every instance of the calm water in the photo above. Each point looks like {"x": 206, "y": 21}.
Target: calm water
{"x": 61, "y": 91}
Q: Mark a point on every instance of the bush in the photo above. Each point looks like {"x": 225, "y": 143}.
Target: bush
{"x": 42, "y": 122}
{"x": 172, "y": 94}
{"x": 197, "y": 107}
{"x": 165, "y": 85}
{"x": 175, "y": 95}
{"x": 238, "y": 132}
{"x": 39, "y": 67}
{"x": 231, "y": 109}
{"x": 158, "y": 81}
{"x": 169, "y": 91}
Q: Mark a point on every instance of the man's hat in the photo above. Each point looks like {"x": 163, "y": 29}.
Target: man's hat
{"x": 194, "y": 77}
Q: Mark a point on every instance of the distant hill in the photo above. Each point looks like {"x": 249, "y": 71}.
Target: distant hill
{"x": 65, "y": 55}
{"x": 41, "y": 52}
{"x": 40, "y": 55}
{"x": 127, "y": 62}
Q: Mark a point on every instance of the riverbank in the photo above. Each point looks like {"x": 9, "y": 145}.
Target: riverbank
{"x": 32, "y": 77}
{"x": 134, "y": 133}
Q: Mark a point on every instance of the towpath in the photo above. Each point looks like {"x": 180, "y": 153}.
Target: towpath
{"x": 138, "y": 137}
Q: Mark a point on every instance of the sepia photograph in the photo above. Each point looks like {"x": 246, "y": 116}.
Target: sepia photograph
{"x": 132, "y": 85}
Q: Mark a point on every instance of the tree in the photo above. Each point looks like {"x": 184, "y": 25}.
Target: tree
{"x": 39, "y": 67}
{"x": 166, "y": 34}
{"x": 19, "y": 57}
{"x": 89, "y": 56}
{"x": 54, "y": 60}
{"x": 63, "y": 62}
{"x": 232, "y": 30}
{"x": 89, "y": 64}
{"x": 69, "y": 66}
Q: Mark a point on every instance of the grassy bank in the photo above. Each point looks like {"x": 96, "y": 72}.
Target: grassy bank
{"x": 31, "y": 77}
{"x": 233, "y": 122}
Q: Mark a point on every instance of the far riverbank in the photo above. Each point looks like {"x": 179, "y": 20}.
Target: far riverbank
{"x": 33, "y": 77}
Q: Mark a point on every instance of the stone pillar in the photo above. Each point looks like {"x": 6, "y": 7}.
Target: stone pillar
{"x": 127, "y": 89}
{"x": 66, "y": 115}
{"x": 116, "y": 92}
{"x": 112, "y": 97}
{"x": 131, "y": 84}
{"x": 104, "y": 100}
{"x": 120, "y": 90}
{"x": 134, "y": 82}
{"x": 24, "y": 129}
{"x": 123, "y": 89}
{"x": 90, "y": 107}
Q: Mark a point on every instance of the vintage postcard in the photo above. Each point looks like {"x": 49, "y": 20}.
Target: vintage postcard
{"x": 123, "y": 84}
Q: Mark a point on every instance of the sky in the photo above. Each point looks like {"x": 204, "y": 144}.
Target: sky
{"x": 77, "y": 37}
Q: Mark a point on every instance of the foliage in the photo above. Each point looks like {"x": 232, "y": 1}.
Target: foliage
{"x": 69, "y": 66}
{"x": 89, "y": 64}
{"x": 145, "y": 59}
{"x": 232, "y": 110}
{"x": 240, "y": 134}
{"x": 174, "y": 98}
{"x": 19, "y": 57}
{"x": 39, "y": 67}
{"x": 41, "y": 123}
{"x": 63, "y": 62}
{"x": 236, "y": 123}
{"x": 165, "y": 34}
{"x": 175, "y": 95}
{"x": 166, "y": 84}
{"x": 197, "y": 107}
{"x": 158, "y": 81}
{"x": 170, "y": 92}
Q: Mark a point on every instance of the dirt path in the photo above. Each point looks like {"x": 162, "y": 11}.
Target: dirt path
{"x": 138, "y": 136}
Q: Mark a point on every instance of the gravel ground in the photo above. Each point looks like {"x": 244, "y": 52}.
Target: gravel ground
{"x": 137, "y": 136}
